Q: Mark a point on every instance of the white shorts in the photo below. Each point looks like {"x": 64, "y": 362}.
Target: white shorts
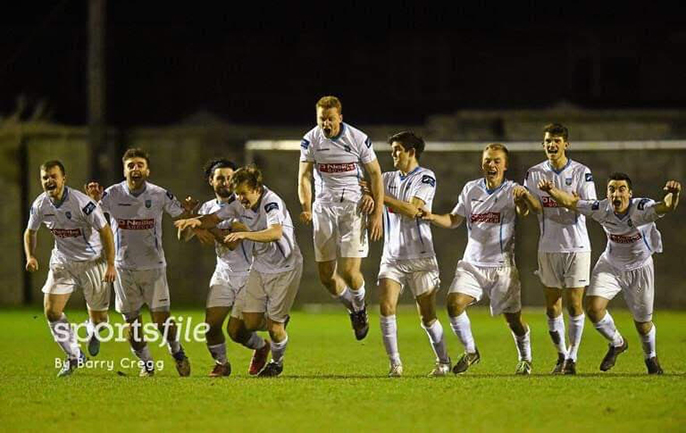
{"x": 224, "y": 287}
{"x": 420, "y": 274}
{"x": 64, "y": 278}
{"x": 564, "y": 270}
{"x": 500, "y": 284}
{"x": 339, "y": 230}
{"x": 637, "y": 286}
{"x": 134, "y": 288}
{"x": 272, "y": 294}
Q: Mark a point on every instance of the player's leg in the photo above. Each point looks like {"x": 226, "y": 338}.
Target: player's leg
{"x": 521, "y": 334}
{"x": 62, "y": 332}
{"x": 389, "y": 291}
{"x": 354, "y": 281}
{"x": 550, "y": 271}
{"x": 216, "y": 342}
{"x": 426, "y": 306}
{"x": 639, "y": 295}
{"x": 573, "y": 298}
{"x": 457, "y": 304}
{"x": 239, "y": 333}
{"x": 97, "y": 295}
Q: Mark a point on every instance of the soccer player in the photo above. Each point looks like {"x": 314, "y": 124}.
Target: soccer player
{"x": 626, "y": 265}
{"x": 229, "y": 278}
{"x": 83, "y": 257}
{"x": 490, "y": 206}
{"x": 564, "y": 249}
{"x": 339, "y": 155}
{"x": 135, "y": 208}
{"x": 274, "y": 278}
{"x": 408, "y": 255}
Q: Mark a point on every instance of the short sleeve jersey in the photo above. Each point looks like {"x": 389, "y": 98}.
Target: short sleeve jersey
{"x": 632, "y": 237}
{"x": 490, "y": 217}
{"x": 238, "y": 260}
{"x": 268, "y": 257}
{"x": 74, "y": 223}
{"x": 562, "y": 230}
{"x": 406, "y": 238}
{"x": 338, "y": 162}
{"x": 137, "y": 224}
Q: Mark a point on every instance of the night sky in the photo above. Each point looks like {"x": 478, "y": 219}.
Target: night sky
{"x": 269, "y": 64}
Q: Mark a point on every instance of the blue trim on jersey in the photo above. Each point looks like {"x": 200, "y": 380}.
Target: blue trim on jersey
{"x": 408, "y": 174}
{"x": 154, "y": 231}
{"x": 280, "y": 249}
{"x": 569, "y": 161}
{"x": 643, "y": 235}
{"x": 339, "y": 133}
{"x": 419, "y": 230}
{"x": 501, "y": 234}
{"x": 137, "y": 193}
{"x": 65, "y": 196}
{"x": 245, "y": 254}
{"x": 88, "y": 243}
{"x": 491, "y": 191}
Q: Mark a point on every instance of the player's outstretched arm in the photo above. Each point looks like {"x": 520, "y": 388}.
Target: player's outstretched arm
{"x": 203, "y": 222}
{"x": 446, "y": 221}
{"x": 413, "y": 209}
{"x": 30, "y": 237}
{"x": 562, "y": 198}
{"x": 671, "y": 199}
{"x": 107, "y": 240}
{"x": 273, "y": 233}
{"x": 305, "y": 191}
{"x": 376, "y": 180}
{"x": 524, "y": 201}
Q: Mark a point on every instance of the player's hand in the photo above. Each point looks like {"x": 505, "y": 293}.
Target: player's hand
{"x": 31, "y": 264}
{"x": 234, "y": 237}
{"x": 93, "y": 190}
{"x": 238, "y": 226}
{"x": 519, "y": 193}
{"x": 110, "y": 274}
{"x": 189, "y": 204}
{"x": 204, "y": 236}
{"x": 186, "y": 223}
{"x": 427, "y": 215}
{"x": 545, "y": 185}
{"x": 366, "y": 204}
{"x": 375, "y": 226}
{"x": 365, "y": 187}
{"x": 672, "y": 186}
{"x": 306, "y": 217}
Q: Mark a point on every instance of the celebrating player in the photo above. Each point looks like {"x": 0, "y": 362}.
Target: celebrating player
{"x": 274, "y": 278}
{"x": 408, "y": 255}
{"x": 135, "y": 208}
{"x": 339, "y": 155}
{"x": 564, "y": 249}
{"x": 626, "y": 265}
{"x": 490, "y": 206}
{"x": 83, "y": 257}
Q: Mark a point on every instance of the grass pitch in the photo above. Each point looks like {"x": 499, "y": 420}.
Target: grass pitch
{"x": 333, "y": 383}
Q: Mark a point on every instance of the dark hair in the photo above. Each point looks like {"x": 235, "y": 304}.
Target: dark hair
{"x": 557, "y": 130}
{"x": 620, "y": 176}
{"x": 136, "y": 152}
{"x": 47, "y": 165}
{"x": 216, "y": 163}
{"x": 409, "y": 140}
{"x": 250, "y": 175}
{"x": 500, "y": 147}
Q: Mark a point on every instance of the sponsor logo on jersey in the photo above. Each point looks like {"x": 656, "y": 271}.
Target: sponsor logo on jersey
{"x": 642, "y": 203}
{"x": 134, "y": 224}
{"x": 66, "y": 233}
{"x": 170, "y": 196}
{"x": 368, "y": 143}
{"x": 568, "y": 181}
{"x": 428, "y": 180}
{"x": 67, "y": 214}
{"x": 270, "y": 206}
{"x": 589, "y": 177}
{"x": 548, "y": 201}
{"x": 488, "y": 217}
{"x": 89, "y": 208}
{"x": 304, "y": 144}
{"x": 337, "y": 167}
{"x": 148, "y": 204}
{"x": 625, "y": 239}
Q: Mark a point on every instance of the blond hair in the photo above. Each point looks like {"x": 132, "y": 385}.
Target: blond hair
{"x": 327, "y": 102}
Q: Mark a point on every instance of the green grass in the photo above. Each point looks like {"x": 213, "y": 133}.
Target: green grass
{"x": 333, "y": 383}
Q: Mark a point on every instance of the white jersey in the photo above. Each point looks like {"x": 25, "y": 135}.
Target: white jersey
{"x": 338, "y": 162}
{"x": 137, "y": 224}
{"x": 238, "y": 260}
{"x": 74, "y": 222}
{"x": 490, "y": 218}
{"x": 562, "y": 230}
{"x": 631, "y": 238}
{"x": 269, "y": 257}
{"x": 406, "y": 238}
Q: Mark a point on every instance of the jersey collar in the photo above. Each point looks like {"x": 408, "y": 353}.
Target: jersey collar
{"x": 626, "y": 213}
{"x": 569, "y": 161}
{"x": 339, "y": 133}
{"x": 65, "y": 196}
{"x": 138, "y": 193}
{"x": 491, "y": 191}
{"x": 408, "y": 174}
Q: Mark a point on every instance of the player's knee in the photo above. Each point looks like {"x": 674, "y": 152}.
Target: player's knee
{"x": 427, "y": 319}
{"x": 51, "y": 313}
{"x": 643, "y": 328}
{"x": 387, "y": 307}
{"x": 594, "y": 312}
{"x": 214, "y": 331}
{"x": 455, "y": 308}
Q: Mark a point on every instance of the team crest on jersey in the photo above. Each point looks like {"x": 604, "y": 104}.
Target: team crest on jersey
{"x": 630, "y": 223}
{"x": 67, "y": 214}
{"x": 589, "y": 177}
{"x": 270, "y": 206}
{"x": 347, "y": 148}
{"x": 428, "y": 180}
{"x": 595, "y": 205}
{"x": 568, "y": 181}
{"x": 148, "y": 203}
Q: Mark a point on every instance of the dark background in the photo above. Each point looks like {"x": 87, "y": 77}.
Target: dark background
{"x": 390, "y": 63}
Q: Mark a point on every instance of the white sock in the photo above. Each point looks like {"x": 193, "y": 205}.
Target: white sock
{"x": 218, "y": 352}
{"x": 346, "y": 298}
{"x": 462, "y": 327}
{"x": 556, "y": 326}
{"x": 648, "y": 343}
{"x": 576, "y": 330}
{"x": 173, "y": 345}
{"x": 606, "y": 327}
{"x": 255, "y": 342}
{"x": 278, "y": 349}
{"x": 64, "y": 336}
{"x": 389, "y": 333}
{"x": 143, "y": 354}
{"x": 90, "y": 327}
{"x": 358, "y": 298}
{"x": 435, "y": 333}
{"x": 523, "y": 345}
